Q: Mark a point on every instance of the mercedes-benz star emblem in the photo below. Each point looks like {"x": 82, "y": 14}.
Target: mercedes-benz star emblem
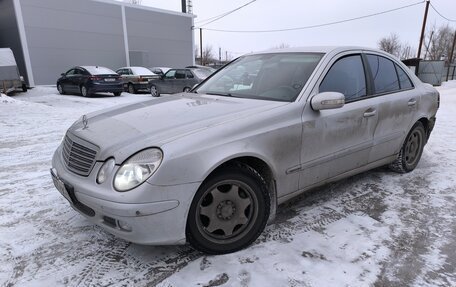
{"x": 85, "y": 122}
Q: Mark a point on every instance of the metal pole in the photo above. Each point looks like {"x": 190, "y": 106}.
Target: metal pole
{"x": 201, "y": 45}
{"x": 184, "y": 6}
{"x": 423, "y": 28}
{"x": 450, "y": 60}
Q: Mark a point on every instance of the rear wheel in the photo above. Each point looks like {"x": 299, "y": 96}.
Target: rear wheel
{"x": 154, "y": 91}
{"x": 131, "y": 89}
{"x": 85, "y": 91}
{"x": 116, "y": 94}
{"x": 411, "y": 150}
{"x": 229, "y": 211}
{"x": 60, "y": 89}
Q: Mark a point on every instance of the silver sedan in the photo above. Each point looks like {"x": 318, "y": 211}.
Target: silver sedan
{"x": 211, "y": 166}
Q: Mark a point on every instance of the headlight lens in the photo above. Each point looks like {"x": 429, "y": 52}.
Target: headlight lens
{"x": 105, "y": 169}
{"x": 137, "y": 169}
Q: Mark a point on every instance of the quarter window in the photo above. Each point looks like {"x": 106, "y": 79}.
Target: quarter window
{"x": 346, "y": 76}
{"x": 383, "y": 73}
{"x": 404, "y": 79}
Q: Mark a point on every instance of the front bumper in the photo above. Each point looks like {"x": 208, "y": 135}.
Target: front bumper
{"x": 152, "y": 215}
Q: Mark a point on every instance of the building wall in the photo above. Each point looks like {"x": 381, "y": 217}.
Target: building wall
{"x": 161, "y": 40}
{"x": 65, "y": 33}
{"x": 9, "y": 34}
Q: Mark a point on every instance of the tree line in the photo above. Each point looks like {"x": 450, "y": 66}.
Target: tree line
{"x": 437, "y": 45}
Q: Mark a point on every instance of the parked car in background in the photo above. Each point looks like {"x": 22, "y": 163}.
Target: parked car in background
{"x": 136, "y": 78}
{"x": 10, "y": 79}
{"x": 87, "y": 80}
{"x": 210, "y": 167}
{"x": 209, "y": 69}
{"x": 177, "y": 80}
{"x": 160, "y": 70}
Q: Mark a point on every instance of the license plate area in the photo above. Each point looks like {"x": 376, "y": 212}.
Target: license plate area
{"x": 110, "y": 80}
{"x": 60, "y": 186}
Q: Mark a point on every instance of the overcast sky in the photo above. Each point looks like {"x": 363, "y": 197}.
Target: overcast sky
{"x": 283, "y": 14}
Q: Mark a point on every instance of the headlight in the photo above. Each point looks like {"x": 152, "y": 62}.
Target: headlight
{"x": 105, "y": 169}
{"x": 137, "y": 169}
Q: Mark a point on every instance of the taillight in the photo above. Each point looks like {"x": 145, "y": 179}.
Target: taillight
{"x": 95, "y": 78}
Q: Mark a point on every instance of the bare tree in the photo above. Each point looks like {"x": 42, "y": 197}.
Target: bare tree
{"x": 439, "y": 42}
{"x": 281, "y": 46}
{"x": 390, "y": 44}
{"x": 208, "y": 55}
{"x": 407, "y": 51}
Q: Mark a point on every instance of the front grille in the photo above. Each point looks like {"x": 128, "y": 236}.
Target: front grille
{"x": 78, "y": 157}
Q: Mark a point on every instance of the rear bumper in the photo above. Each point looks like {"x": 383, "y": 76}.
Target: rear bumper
{"x": 109, "y": 88}
{"x": 141, "y": 86}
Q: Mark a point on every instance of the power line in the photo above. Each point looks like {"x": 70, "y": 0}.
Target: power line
{"x": 435, "y": 9}
{"x": 315, "y": 26}
{"x": 216, "y": 18}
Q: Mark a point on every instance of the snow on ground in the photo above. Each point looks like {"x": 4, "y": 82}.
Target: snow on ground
{"x": 375, "y": 229}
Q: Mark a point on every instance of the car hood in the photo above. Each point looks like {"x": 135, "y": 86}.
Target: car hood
{"x": 120, "y": 131}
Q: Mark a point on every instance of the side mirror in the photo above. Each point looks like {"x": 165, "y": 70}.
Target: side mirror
{"x": 327, "y": 101}
{"x": 62, "y": 74}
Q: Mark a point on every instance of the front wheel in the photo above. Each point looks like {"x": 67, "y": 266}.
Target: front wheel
{"x": 186, "y": 90}
{"x": 116, "y": 94}
{"x": 60, "y": 89}
{"x": 411, "y": 150}
{"x": 154, "y": 91}
{"x": 229, "y": 211}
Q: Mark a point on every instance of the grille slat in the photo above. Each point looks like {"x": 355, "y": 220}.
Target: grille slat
{"x": 78, "y": 158}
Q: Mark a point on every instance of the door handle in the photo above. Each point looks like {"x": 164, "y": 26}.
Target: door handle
{"x": 370, "y": 113}
{"x": 411, "y": 102}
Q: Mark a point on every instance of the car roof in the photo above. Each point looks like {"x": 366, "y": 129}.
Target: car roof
{"x": 318, "y": 49}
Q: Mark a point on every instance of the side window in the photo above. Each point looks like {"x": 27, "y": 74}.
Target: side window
{"x": 128, "y": 72}
{"x": 170, "y": 74}
{"x": 70, "y": 72}
{"x": 346, "y": 76}
{"x": 404, "y": 79}
{"x": 120, "y": 72}
{"x": 383, "y": 73}
{"x": 180, "y": 74}
{"x": 189, "y": 74}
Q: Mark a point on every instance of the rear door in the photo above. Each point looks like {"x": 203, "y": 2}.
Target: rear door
{"x": 338, "y": 140}
{"x": 397, "y": 104}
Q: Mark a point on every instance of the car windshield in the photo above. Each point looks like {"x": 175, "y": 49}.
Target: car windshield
{"x": 274, "y": 76}
{"x": 95, "y": 70}
{"x": 141, "y": 71}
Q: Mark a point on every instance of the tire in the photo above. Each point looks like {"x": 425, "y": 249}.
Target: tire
{"x": 411, "y": 150}
{"x": 186, "y": 89}
{"x": 24, "y": 88}
{"x": 85, "y": 92}
{"x": 154, "y": 91}
{"x": 116, "y": 94}
{"x": 229, "y": 210}
{"x": 60, "y": 89}
{"x": 131, "y": 89}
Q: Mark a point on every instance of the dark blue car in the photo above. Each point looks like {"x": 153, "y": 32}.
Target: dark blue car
{"x": 87, "y": 80}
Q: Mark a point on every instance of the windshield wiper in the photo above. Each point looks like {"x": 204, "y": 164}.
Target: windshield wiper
{"x": 219, "y": 94}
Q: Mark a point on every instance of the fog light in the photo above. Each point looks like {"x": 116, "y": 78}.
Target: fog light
{"x": 123, "y": 225}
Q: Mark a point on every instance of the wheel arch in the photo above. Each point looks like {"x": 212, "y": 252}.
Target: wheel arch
{"x": 259, "y": 165}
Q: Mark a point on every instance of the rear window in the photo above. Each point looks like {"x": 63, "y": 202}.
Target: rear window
{"x": 98, "y": 70}
{"x": 141, "y": 71}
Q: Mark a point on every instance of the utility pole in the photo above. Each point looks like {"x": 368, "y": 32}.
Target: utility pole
{"x": 201, "y": 45}
{"x": 184, "y": 6}
{"x": 450, "y": 60}
{"x": 423, "y": 28}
